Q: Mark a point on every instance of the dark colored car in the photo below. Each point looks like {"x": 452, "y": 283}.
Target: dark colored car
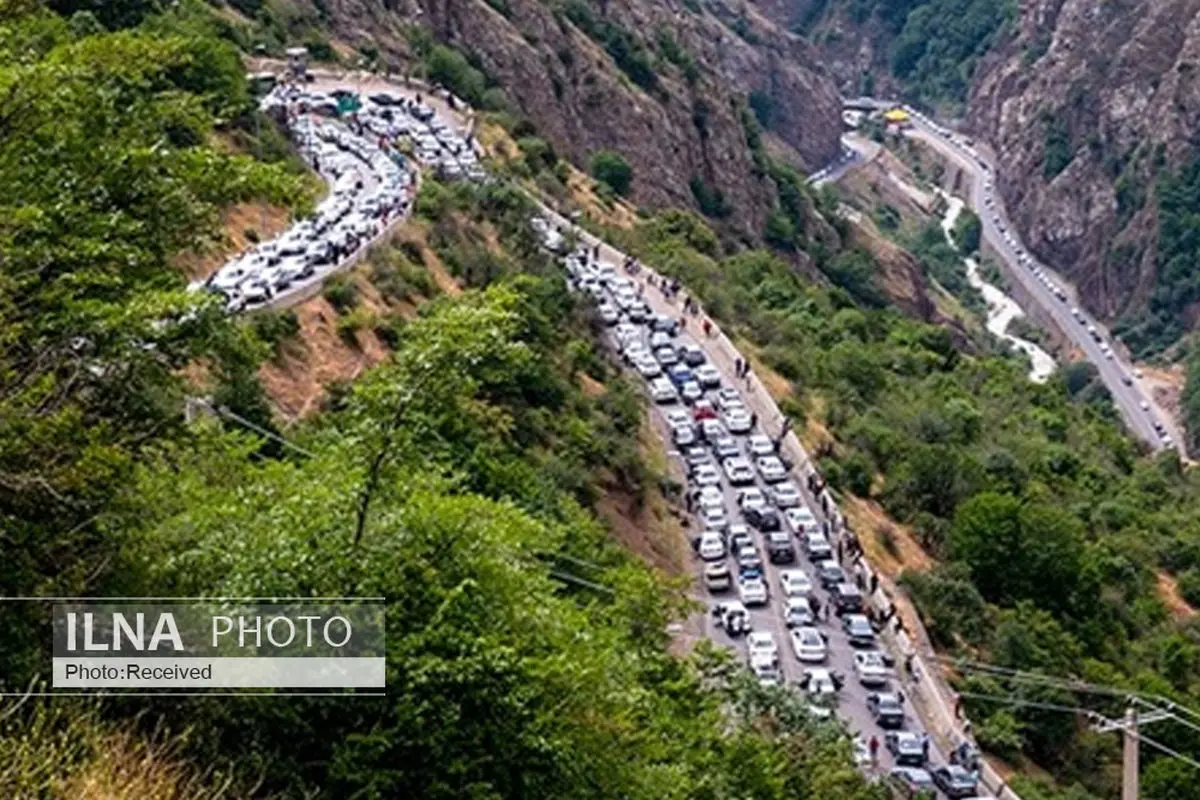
{"x": 956, "y": 782}
{"x": 830, "y": 574}
{"x": 780, "y": 549}
{"x": 858, "y": 629}
{"x": 763, "y": 518}
{"x": 661, "y": 322}
{"x": 887, "y": 709}
{"x": 908, "y": 748}
{"x": 911, "y": 781}
{"x": 691, "y": 354}
{"x": 750, "y": 563}
{"x": 846, "y": 598}
{"x": 678, "y": 373}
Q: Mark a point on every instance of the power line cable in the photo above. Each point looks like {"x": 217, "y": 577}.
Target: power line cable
{"x": 225, "y": 413}
{"x": 1156, "y": 702}
{"x": 1092, "y": 715}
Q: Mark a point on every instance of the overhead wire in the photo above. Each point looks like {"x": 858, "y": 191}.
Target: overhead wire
{"x": 1153, "y": 702}
{"x": 1086, "y": 712}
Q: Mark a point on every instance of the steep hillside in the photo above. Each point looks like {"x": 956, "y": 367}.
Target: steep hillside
{"x": 926, "y": 50}
{"x": 1089, "y": 107}
{"x": 664, "y": 86}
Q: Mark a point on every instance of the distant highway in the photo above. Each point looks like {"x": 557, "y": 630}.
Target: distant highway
{"x": 1132, "y": 397}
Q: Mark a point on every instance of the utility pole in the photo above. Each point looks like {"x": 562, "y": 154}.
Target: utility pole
{"x": 1128, "y": 726}
{"x": 1129, "y": 772}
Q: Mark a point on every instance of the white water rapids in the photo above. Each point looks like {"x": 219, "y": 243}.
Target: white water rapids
{"x": 1002, "y": 309}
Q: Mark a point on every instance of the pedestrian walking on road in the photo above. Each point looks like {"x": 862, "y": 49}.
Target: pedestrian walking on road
{"x": 753, "y": 419}
{"x": 683, "y": 323}
{"x": 737, "y": 367}
{"x": 873, "y": 746}
{"x": 874, "y": 583}
{"x": 841, "y": 550}
{"x": 707, "y": 327}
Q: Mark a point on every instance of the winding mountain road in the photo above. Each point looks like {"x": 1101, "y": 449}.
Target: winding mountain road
{"x": 1132, "y": 396}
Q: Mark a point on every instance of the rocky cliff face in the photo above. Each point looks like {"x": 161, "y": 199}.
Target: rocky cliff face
{"x": 1085, "y": 107}
{"x": 683, "y": 129}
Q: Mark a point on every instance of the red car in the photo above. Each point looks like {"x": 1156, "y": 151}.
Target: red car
{"x": 703, "y": 409}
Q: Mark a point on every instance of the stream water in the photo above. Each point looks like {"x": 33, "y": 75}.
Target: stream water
{"x": 1002, "y": 309}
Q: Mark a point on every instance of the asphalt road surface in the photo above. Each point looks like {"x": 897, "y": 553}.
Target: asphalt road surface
{"x": 1131, "y": 395}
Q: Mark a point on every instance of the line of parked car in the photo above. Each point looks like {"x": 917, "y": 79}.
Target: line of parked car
{"x": 369, "y": 185}
{"x": 434, "y": 142}
{"x": 746, "y": 507}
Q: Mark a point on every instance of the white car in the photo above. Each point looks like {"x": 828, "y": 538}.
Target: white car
{"x": 714, "y": 517}
{"x": 761, "y": 445}
{"x": 691, "y": 392}
{"x": 713, "y": 430}
{"x": 753, "y": 591}
{"x": 772, "y": 469}
{"x": 762, "y": 643}
{"x": 797, "y": 612}
{"x": 677, "y": 416}
{"x": 608, "y": 314}
{"x": 662, "y": 390}
{"x": 751, "y": 498}
{"x": 800, "y": 519}
{"x": 795, "y": 582}
{"x": 766, "y": 669}
{"x": 784, "y": 495}
{"x": 871, "y": 668}
{"x": 626, "y": 333}
{"x": 648, "y": 368}
{"x": 738, "y": 471}
{"x": 817, "y": 546}
{"x": 820, "y": 683}
{"x": 728, "y": 398}
{"x": 809, "y": 645}
{"x": 683, "y": 435}
{"x": 726, "y": 447}
{"x": 708, "y": 376}
{"x": 737, "y": 420}
{"x": 712, "y": 546}
{"x": 706, "y": 475}
{"x": 710, "y": 497}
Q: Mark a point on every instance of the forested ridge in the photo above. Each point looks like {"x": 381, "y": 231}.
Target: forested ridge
{"x": 454, "y": 479}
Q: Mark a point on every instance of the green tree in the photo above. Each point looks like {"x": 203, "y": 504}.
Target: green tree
{"x": 1018, "y": 550}
{"x": 967, "y": 231}
{"x": 610, "y": 168}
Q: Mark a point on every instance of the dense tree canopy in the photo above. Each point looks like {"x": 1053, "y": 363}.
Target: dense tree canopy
{"x": 1050, "y": 524}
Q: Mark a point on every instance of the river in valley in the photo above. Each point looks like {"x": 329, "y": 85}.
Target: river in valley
{"x": 1001, "y": 309}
